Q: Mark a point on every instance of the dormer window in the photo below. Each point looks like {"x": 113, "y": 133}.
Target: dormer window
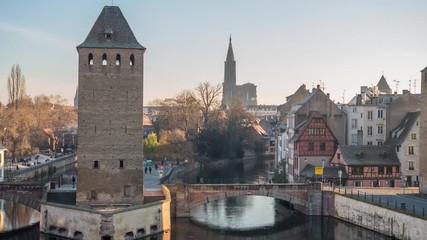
{"x": 108, "y": 33}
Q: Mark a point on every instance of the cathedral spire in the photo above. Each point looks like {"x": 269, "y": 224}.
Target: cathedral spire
{"x": 230, "y": 54}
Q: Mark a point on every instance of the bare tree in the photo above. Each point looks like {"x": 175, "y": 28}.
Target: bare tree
{"x": 208, "y": 101}
{"x": 16, "y": 86}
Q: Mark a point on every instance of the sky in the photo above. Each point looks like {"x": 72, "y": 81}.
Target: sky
{"x": 278, "y": 44}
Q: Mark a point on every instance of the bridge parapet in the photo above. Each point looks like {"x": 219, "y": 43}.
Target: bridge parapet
{"x": 27, "y": 194}
{"x": 305, "y": 198}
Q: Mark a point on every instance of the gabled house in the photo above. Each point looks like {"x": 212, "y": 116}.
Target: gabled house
{"x": 369, "y": 166}
{"x": 312, "y": 143}
{"x": 405, "y": 141}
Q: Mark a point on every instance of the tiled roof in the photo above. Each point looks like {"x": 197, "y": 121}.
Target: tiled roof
{"x": 328, "y": 172}
{"x": 112, "y": 22}
{"x": 399, "y": 134}
{"x": 366, "y": 155}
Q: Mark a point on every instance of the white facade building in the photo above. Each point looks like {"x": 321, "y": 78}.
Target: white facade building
{"x": 2, "y": 162}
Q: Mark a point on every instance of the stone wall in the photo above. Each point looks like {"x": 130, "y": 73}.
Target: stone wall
{"x": 378, "y": 219}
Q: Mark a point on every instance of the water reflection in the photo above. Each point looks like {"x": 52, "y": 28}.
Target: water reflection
{"x": 256, "y": 217}
{"x": 15, "y": 216}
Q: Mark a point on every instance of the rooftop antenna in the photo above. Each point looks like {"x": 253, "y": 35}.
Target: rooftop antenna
{"x": 415, "y": 84}
{"x": 343, "y": 96}
{"x": 397, "y": 84}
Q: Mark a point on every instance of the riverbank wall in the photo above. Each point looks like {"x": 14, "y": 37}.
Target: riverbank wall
{"x": 379, "y": 219}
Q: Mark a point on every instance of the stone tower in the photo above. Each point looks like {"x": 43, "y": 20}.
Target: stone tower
{"x": 229, "y": 85}
{"x": 423, "y": 133}
{"x": 110, "y": 129}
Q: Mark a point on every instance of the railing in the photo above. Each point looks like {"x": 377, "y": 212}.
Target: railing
{"x": 14, "y": 175}
{"x": 407, "y": 204}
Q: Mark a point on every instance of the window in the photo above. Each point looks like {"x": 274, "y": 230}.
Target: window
{"x": 413, "y": 136}
{"x": 354, "y": 109}
{"x": 361, "y": 115}
{"x": 389, "y": 170}
{"x": 411, "y": 150}
{"x": 118, "y": 60}
{"x": 322, "y": 146}
{"x": 381, "y": 170}
{"x": 380, "y": 113}
{"x": 369, "y": 143}
{"x": 357, "y": 170}
{"x": 398, "y": 149}
{"x": 310, "y": 146}
{"x": 370, "y": 115}
{"x": 379, "y": 143}
{"x": 380, "y": 129}
{"x": 369, "y": 131}
{"x": 92, "y": 194}
{"x": 353, "y": 138}
{"x": 132, "y": 60}
{"x": 411, "y": 165}
{"x": 353, "y": 123}
{"x": 121, "y": 164}
{"x": 104, "y": 59}
{"x": 96, "y": 164}
{"x": 338, "y": 156}
{"x": 126, "y": 191}
{"x": 90, "y": 59}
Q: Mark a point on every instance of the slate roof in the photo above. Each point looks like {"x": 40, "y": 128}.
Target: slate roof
{"x": 328, "y": 172}
{"x": 111, "y": 21}
{"x": 399, "y": 134}
{"x": 383, "y": 85}
{"x": 366, "y": 155}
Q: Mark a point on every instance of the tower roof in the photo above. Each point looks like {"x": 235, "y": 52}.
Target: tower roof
{"x": 111, "y": 30}
{"x": 230, "y": 54}
{"x": 383, "y": 85}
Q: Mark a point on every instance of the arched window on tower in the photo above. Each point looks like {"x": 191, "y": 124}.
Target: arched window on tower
{"x": 118, "y": 60}
{"x": 104, "y": 59}
{"x": 132, "y": 60}
{"x": 90, "y": 59}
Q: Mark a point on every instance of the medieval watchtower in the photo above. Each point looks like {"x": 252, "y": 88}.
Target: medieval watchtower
{"x": 110, "y": 94}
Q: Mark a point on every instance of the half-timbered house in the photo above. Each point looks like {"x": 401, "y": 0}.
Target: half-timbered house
{"x": 369, "y": 165}
{"x": 313, "y": 143}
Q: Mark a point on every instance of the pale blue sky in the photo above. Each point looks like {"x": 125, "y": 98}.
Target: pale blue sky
{"x": 278, "y": 44}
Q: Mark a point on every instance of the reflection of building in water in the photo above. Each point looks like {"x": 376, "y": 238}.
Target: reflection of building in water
{"x": 15, "y": 216}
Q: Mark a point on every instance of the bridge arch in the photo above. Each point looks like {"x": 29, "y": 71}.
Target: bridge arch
{"x": 305, "y": 198}
{"x": 29, "y": 195}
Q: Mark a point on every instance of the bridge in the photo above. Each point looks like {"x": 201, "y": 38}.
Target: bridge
{"x": 305, "y": 198}
{"x": 27, "y": 194}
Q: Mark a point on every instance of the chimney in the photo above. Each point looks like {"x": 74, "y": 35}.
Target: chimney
{"x": 359, "y": 99}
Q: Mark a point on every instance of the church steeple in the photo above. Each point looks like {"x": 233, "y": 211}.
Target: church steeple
{"x": 229, "y": 85}
{"x": 230, "y": 54}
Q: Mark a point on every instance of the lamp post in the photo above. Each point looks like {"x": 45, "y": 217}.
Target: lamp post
{"x": 339, "y": 175}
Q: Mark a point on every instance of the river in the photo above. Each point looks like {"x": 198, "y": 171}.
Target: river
{"x": 240, "y": 218}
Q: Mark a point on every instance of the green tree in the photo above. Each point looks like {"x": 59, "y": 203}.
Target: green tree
{"x": 150, "y": 145}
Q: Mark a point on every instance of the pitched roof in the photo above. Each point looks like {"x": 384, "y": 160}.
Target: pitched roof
{"x": 366, "y": 155}
{"x": 328, "y": 172}
{"x": 383, "y": 85}
{"x": 111, "y": 22}
{"x": 300, "y": 128}
{"x": 425, "y": 69}
{"x": 399, "y": 134}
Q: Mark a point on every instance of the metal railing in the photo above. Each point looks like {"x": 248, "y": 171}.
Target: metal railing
{"x": 408, "y": 204}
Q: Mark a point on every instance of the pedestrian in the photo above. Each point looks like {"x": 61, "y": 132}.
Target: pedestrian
{"x": 145, "y": 170}
{"x": 73, "y": 179}
{"x": 149, "y": 169}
